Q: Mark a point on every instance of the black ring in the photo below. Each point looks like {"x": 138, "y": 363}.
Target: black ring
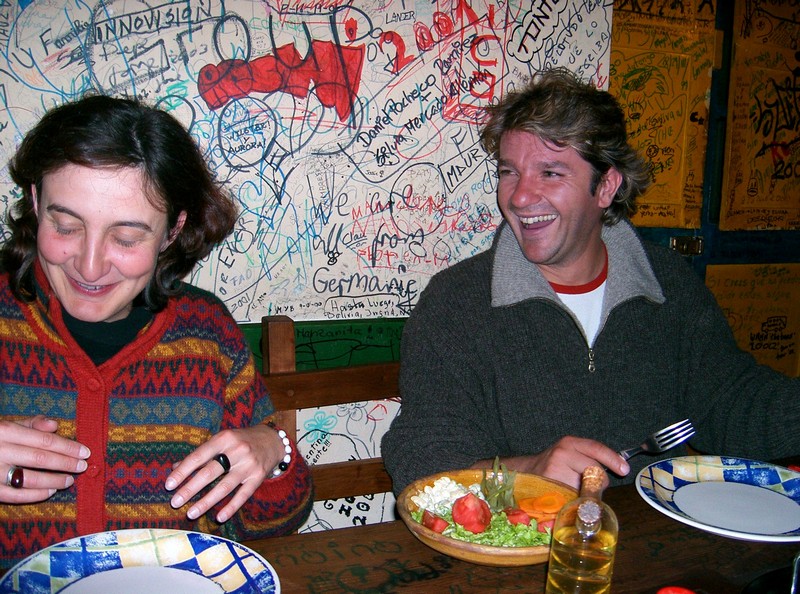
{"x": 224, "y": 462}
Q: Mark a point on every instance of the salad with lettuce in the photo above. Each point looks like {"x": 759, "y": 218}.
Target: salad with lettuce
{"x": 487, "y": 513}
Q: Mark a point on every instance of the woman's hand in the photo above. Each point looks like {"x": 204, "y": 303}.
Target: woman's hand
{"x": 253, "y": 452}
{"x": 47, "y": 461}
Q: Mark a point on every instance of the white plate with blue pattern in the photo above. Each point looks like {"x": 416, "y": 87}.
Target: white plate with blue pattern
{"x": 732, "y": 497}
{"x": 143, "y": 560}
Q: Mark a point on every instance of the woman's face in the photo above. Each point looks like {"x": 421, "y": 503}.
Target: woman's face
{"x": 99, "y": 239}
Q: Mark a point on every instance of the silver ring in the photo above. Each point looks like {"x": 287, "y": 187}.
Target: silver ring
{"x": 223, "y": 461}
{"x": 15, "y": 477}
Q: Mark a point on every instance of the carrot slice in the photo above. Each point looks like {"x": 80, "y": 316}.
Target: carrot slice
{"x": 540, "y": 516}
{"x": 548, "y": 503}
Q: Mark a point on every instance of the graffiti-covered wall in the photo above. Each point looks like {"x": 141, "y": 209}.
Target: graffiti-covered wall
{"x": 347, "y": 131}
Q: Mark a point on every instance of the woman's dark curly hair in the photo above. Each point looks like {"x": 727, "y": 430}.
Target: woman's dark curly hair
{"x": 561, "y": 110}
{"x": 105, "y": 132}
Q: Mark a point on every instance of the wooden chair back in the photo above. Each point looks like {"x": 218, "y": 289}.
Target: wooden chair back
{"x": 292, "y": 390}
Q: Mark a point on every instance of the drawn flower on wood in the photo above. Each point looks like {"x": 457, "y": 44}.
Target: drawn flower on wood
{"x": 319, "y": 426}
{"x": 354, "y": 411}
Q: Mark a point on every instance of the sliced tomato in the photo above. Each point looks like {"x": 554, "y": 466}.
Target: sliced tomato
{"x": 517, "y": 516}
{"x": 675, "y": 590}
{"x": 472, "y": 512}
{"x": 544, "y": 525}
{"x": 434, "y": 522}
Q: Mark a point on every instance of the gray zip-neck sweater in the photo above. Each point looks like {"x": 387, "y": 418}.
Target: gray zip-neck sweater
{"x": 494, "y": 364}
{"x": 515, "y": 278}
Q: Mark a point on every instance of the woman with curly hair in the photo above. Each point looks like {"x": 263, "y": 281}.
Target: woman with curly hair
{"x": 128, "y": 398}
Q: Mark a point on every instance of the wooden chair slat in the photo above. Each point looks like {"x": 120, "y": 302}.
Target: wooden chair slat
{"x": 350, "y": 479}
{"x": 277, "y": 344}
{"x": 326, "y": 387}
{"x": 292, "y": 390}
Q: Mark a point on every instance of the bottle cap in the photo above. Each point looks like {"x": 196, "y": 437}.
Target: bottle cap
{"x": 589, "y": 512}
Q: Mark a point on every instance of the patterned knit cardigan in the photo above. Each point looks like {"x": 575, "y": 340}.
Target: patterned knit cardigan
{"x": 187, "y": 375}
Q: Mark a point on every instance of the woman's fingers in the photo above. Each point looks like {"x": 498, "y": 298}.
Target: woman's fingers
{"x": 24, "y": 444}
{"x": 250, "y": 452}
{"x": 222, "y": 489}
{"x": 24, "y": 485}
{"x": 243, "y": 493}
{"x": 241, "y": 488}
{"x": 22, "y": 496}
{"x": 35, "y": 479}
{"x": 35, "y": 462}
{"x": 193, "y": 484}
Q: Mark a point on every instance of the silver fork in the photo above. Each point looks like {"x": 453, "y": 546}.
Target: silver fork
{"x": 662, "y": 440}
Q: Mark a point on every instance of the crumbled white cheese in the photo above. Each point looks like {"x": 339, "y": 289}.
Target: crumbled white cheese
{"x": 439, "y": 497}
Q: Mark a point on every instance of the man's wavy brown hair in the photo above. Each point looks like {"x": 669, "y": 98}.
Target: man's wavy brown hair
{"x": 560, "y": 109}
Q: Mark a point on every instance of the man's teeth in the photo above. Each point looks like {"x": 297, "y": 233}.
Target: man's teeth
{"x": 539, "y": 219}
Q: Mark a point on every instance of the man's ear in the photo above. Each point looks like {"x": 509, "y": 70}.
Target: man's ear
{"x": 607, "y": 188}
{"x": 176, "y": 229}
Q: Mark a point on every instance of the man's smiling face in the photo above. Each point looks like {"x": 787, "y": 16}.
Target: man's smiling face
{"x": 544, "y": 193}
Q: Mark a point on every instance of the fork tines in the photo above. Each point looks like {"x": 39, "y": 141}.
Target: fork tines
{"x": 675, "y": 434}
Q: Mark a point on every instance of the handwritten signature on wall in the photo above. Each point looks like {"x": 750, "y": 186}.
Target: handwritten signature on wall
{"x": 347, "y": 131}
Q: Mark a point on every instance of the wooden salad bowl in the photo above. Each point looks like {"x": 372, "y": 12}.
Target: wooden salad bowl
{"x": 526, "y": 485}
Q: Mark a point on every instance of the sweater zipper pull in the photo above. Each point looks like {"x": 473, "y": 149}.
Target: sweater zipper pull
{"x": 592, "y": 367}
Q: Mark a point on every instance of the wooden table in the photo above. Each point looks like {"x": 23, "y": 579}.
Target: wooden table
{"x": 653, "y": 551}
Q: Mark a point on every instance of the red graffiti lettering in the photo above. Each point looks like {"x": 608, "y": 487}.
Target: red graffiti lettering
{"x": 332, "y": 72}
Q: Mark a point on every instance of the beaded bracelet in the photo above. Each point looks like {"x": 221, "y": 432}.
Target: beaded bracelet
{"x": 283, "y": 465}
